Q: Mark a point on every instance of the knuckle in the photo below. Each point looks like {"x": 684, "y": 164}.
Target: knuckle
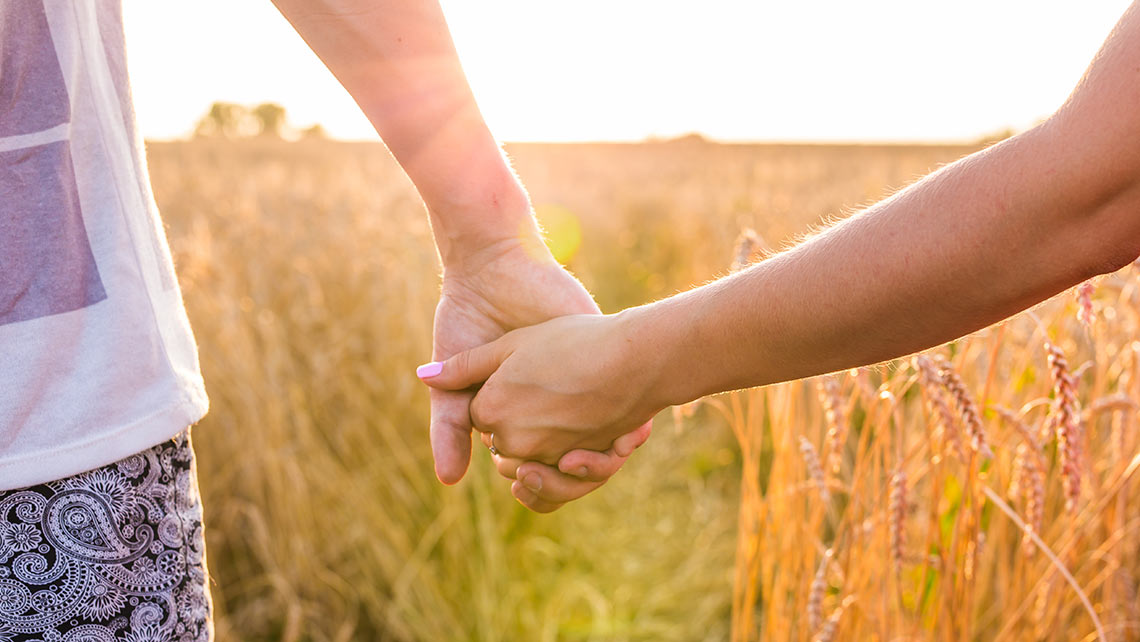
{"x": 516, "y": 446}
{"x": 484, "y": 413}
{"x": 506, "y": 443}
{"x": 532, "y": 448}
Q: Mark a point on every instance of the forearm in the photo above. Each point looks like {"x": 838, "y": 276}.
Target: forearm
{"x": 968, "y": 246}
{"x": 397, "y": 60}
{"x": 965, "y": 247}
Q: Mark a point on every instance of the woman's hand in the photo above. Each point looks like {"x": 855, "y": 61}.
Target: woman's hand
{"x": 576, "y": 382}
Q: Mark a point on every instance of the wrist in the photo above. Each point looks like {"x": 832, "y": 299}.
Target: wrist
{"x": 481, "y": 215}
{"x": 653, "y": 345}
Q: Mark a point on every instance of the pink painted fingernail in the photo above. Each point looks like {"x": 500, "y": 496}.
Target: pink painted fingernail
{"x": 429, "y": 370}
{"x": 533, "y": 482}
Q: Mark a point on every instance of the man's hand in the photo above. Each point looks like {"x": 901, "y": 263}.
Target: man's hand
{"x": 511, "y": 284}
{"x": 397, "y": 60}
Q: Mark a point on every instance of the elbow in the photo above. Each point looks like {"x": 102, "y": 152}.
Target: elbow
{"x": 1095, "y": 186}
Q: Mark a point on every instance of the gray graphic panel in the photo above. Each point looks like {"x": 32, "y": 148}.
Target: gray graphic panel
{"x": 32, "y": 94}
{"x": 46, "y": 265}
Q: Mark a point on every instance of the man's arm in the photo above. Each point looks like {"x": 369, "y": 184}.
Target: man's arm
{"x": 969, "y": 245}
{"x": 397, "y": 60}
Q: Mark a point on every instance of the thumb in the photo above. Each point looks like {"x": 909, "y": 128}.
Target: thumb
{"x": 450, "y": 434}
{"x": 629, "y": 442}
{"x": 464, "y": 369}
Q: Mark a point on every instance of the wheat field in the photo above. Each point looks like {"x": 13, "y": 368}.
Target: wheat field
{"x": 860, "y": 506}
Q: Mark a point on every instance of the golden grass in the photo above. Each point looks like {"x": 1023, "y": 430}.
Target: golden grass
{"x": 310, "y": 279}
{"x": 931, "y": 542}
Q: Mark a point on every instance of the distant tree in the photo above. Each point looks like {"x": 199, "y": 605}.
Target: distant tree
{"x": 270, "y": 119}
{"x": 314, "y": 132}
{"x": 230, "y": 120}
{"x": 224, "y": 120}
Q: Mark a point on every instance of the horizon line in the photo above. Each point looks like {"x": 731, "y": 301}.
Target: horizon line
{"x": 690, "y": 139}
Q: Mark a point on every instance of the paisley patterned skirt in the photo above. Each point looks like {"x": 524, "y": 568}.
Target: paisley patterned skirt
{"x": 111, "y": 555}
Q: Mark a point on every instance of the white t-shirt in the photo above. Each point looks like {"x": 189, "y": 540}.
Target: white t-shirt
{"x": 97, "y": 360}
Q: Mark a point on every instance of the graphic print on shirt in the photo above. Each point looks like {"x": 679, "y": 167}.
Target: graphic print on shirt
{"x": 46, "y": 263}
{"x": 32, "y": 94}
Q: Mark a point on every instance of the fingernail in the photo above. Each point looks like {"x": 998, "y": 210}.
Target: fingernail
{"x": 581, "y": 472}
{"x": 533, "y": 482}
{"x": 429, "y": 370}
{"x": 522, "y": 493}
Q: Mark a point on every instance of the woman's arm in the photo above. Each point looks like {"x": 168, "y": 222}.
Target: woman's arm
{"x": 967, "y": 246}
{"x": 971, "y": 244}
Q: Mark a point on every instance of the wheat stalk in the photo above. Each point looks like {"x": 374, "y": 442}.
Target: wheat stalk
{"x": 815, "y": 471}
{"x": 897, "y": 510}
{"x": 1028, "y": 477}
{"x": 815, "y": 593}
{"x": 749, "y": 247}
{"x": 837, "y": 425}
{"x": 946, "y": 422}
{"x": 827, "y": 631}
{"x": 1084, "y": 303}
{"x": 967, "y": 409}
{"x": 1066, "y": 423}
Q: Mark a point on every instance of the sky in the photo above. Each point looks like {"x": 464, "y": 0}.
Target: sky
{"x": 733, "y": 70}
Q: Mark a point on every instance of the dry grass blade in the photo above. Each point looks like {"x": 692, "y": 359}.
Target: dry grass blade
{"x": 1028, "y": 476}
{"x": 1009, "y": 512}
{"x": 1113, "y": 403}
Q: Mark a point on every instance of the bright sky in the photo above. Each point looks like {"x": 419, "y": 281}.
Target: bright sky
{"x": 627, "y": 69}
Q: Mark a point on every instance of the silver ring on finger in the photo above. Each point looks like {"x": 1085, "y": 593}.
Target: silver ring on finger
{"x": 494, "y": 451}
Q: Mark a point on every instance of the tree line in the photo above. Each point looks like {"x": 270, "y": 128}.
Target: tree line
{"x": 269, "y": 120}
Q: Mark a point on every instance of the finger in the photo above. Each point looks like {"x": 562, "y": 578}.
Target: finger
{"x": 629, "y": 442}
{"x": 590, "y": 465}
{"x": 464, "y": 369}
{"x": 505, "y": 465}
{"x": 450, "y": 434}
{"x": 532, "y": 501}
{"x": 550, "y": 485}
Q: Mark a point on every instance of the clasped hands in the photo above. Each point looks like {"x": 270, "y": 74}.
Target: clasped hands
{"x": 559, "y": 395}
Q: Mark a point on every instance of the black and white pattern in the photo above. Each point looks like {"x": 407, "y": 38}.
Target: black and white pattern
{"x": 115, "y": 554}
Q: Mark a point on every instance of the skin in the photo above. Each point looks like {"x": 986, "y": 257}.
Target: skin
{"x": 967, "y": 246}
{"x": 397, "y": 60}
